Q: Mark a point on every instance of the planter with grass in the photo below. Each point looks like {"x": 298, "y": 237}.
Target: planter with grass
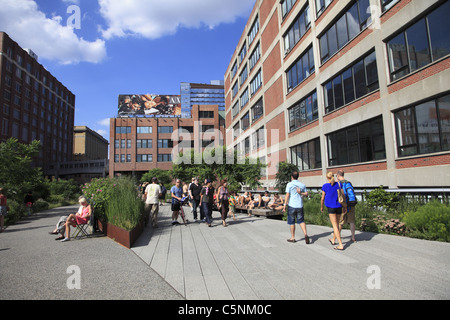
{"x": 124, "y": 213}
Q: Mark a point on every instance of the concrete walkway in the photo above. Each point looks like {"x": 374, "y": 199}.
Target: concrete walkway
{"x": 35, "y": 266}
{"x": 251, "y": 259}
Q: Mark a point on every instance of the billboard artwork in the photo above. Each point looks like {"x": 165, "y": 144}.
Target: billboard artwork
{"x": 149, "y": 105}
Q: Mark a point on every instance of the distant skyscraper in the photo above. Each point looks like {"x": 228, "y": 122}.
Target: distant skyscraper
{"x": 201, "y": 94}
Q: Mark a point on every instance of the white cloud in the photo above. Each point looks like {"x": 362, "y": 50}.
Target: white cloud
{"x": 103, "y": 133}
{"x": 47, "y": 37}
{"x": 155, "y": 18}
{"x": 104, "y": 122}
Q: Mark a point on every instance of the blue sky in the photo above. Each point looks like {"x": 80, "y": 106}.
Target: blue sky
{"x": 123, "y": 47}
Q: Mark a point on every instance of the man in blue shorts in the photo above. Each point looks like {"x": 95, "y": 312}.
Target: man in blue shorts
{"x": 294, "y": 203}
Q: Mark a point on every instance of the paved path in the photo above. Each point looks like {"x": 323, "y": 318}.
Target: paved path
{"x": 250, "y": 259}
{"x": 34, "y": 266}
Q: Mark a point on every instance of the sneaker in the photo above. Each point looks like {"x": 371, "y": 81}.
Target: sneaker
{"x": 65, "y": 239}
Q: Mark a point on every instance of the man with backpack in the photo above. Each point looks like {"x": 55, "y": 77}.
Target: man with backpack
{"x": 348, "y": 218}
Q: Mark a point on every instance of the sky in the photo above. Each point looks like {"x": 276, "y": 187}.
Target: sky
{"x": 102, "y": 48}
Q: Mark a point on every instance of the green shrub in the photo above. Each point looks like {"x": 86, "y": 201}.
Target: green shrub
{"x": 40, "y": 205}
{"x": 431, "y": 221}
{"x": 16, "y": 211}
{"x": 380, "y": 198}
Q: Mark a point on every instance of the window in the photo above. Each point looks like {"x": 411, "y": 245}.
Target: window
{"x": 301, "y": 69}
{"x": 123, "y": 130}
{"x": 207, "y": 127}
{"x": 144, "y": 158}
{"x": 422, "y": 43}
{"x": 244, "y": 99}
{"x": 164, "y": 143}
{"x": 387, "y": 4}
{"x": 237, "y": 130}
{"x": 206, "y": 114}
{"x": 307, "y": 156}
{"x": 122, "y": 143}
{"x": 353, "y": 83}
{"x": 256, "y": 83}
{"x": 242, "y": 53}
{"x": 116, "y": 158}
{"x": 258, "y": 139}
{"x": 254, "y": 57}
{"x": 424, "y": 128}
{"x": 254, "y": 31}
{"x": 235, "y": 110}
{"x": 144, "y": 130}
{"x": 361, "y": 143}
{"x": 321, "y": 5}
{"x": 353, "y": 21}
{"x": 257, "y": 110}
{"x": 128, "y": 157}
{"x": 243, "y": 76}
{"x": 235, "y": 90}
{"x": 297, "y": 30}
{"x": 245, "y": 122}
{"x": 144, "y": 144}
{"x": 303, "y": 112}
{"x": 234, "y": 70}
{"x": 164, "y": 157}
{"x": 128, "y": 144}
{"x": 165, "y": 129}
{"x": 286, "y": 6}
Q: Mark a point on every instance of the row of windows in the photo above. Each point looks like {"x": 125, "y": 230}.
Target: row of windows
{"x": 256, "y": 112}
{"x": 351, "y": 84}
{"x": 420, "y": 129}
{"x": 359, "y": 143}
{"x": 142, "y": 158}
{"x": 56, "y": 89}
{"x": 257, "y": 140}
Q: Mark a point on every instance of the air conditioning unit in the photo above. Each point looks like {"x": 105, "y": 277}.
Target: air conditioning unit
{"x": 32, "y": 54}
{"x": 286, "y": 52}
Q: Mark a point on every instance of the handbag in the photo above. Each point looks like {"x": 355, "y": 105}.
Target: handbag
{"x": 341, "y": 196}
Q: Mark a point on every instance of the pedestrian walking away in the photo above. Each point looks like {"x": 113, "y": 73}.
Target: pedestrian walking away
{"x": 350, "y": 216}
{"x": 330, "y": 199}
{"x": 222, "y": 198}
{"x": 151, "y": 195}
{"x": 294, "y": 204}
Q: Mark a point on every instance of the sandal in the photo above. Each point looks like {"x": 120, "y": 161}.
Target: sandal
{"x": 291, "y": 240}
{"x": 60, "y": 238}
{"x": 340, "y": 249}
{"x": 332, "y": 242}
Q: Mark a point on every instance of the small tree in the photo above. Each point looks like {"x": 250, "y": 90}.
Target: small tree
{"x": 17, "y": 174}
{"x": 163, "y": 176}
{"x": 283, "y": 176}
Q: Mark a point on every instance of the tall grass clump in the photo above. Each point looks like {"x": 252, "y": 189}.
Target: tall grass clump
{"x": 124, "y": 208}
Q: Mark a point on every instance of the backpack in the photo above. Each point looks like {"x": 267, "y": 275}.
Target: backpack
{"x": 350, "y": 192}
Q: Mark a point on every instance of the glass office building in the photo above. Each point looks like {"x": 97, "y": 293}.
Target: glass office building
{"x": 201, "y": 94}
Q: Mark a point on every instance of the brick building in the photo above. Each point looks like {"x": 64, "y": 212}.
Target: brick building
{"x": 34, "y": 105}
{"x": 139, "y": 144}
{"x": 358, "y": 85}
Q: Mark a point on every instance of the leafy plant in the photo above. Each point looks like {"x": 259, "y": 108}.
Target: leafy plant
{"x": 382, "y": 199}
{"x": 431, "y": 221}
{"x": 283, "y": 176}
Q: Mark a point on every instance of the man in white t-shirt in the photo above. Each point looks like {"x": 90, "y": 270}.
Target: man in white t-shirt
{"x": 151, "y": 196}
